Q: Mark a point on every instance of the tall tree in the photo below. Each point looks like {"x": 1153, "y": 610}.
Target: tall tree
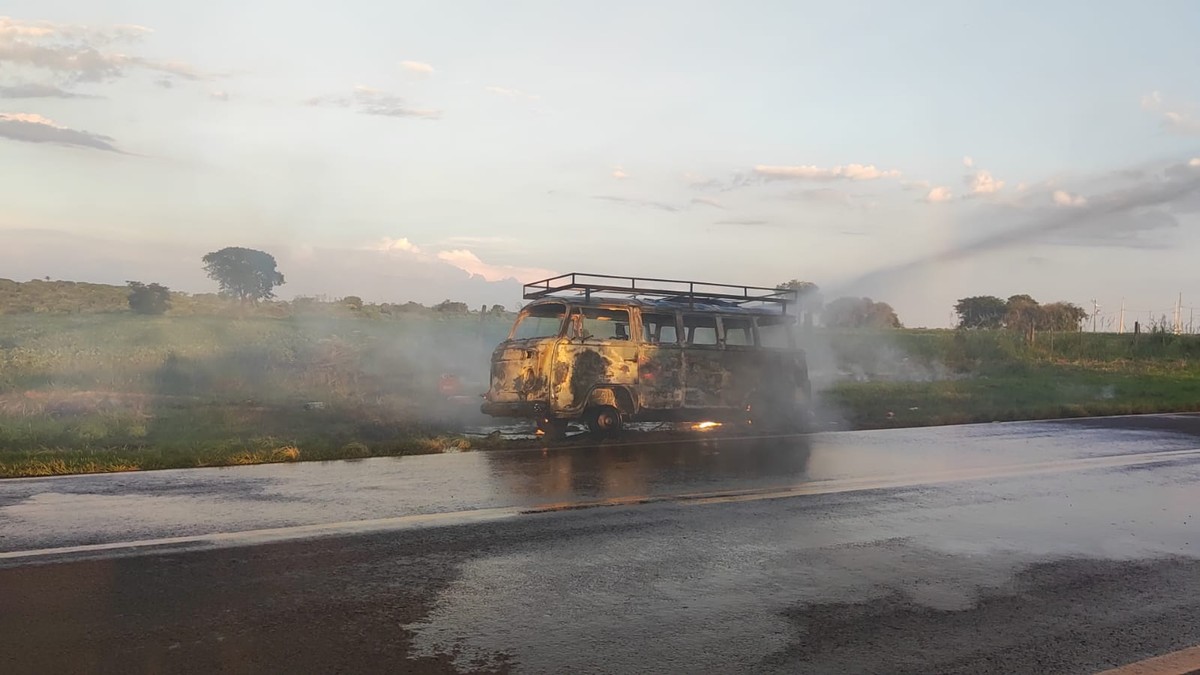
{"x": 981, "y": 311}
{"x": 1023, "y": 314}
{"x": 804, "y": 287}
{"x": 244, "y": 273}
{"x": 1061, "y": 316}
{"x": 859, "y": 313}
{"x": 808, "y": 293}
{"x": 808, "y": 298}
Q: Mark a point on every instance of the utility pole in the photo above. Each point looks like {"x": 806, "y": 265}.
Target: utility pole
{"x": 1121, "y": 327}
{"x": 1095, "y": 310}
{"x": 1177, "y": 328}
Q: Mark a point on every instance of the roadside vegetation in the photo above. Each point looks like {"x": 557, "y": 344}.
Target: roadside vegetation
{"x": 930, "y": 377}
{"x": 105, "y": 391}
{"x": 106, "y": 378}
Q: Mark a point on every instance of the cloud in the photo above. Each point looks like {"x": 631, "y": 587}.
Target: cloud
{"x": 219, "y": 95}
{"x": 706, "y": 202}
{"x": 371, "y": 101}
{"x": 1183, "y": 123}
{"x": 508, "y": 92}
{"x": 1194, "y": 162}
{"x": 915, "y": 185}
{"x": 650, "y": 204}
{"x": 1064, "y": 198}
{"x": 33, "y": 128}
{"x": 418, "y": 67}
{"x": 461, "y": 258}
{"x": 1179, "y": 118}
{"x": 389, "y": 245}
{"x": 470, "y": 263}
{"x": 939, "y": 195}
{"x": 741, "y": 221}
{"x": 176, "y": 68}
{"x": 968, "y": 161}
{"x": 982, "y": 182}
{"x": 827, "y": 196}
{"x": 703, "y": 184}
{"x": 489, "y": 241}
{"x": 33, "y": 90}
{"x": 809, "y": 172}
{"x": 76, "y": 53}
{"x": 619, "y": 173}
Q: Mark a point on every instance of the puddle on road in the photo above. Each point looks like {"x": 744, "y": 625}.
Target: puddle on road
{"x": 710, "y": 587}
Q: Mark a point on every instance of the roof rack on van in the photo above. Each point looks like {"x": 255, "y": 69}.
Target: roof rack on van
{"x": 676, "y": 290}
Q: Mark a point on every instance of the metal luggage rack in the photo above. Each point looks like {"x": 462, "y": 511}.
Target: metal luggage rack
{"x": 677, "y": 290}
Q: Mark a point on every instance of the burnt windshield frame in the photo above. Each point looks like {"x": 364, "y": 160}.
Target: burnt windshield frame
{"x": 601, "y": 323}
{"x": 544, "y": 314}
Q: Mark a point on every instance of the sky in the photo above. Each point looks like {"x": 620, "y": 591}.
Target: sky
{"x": 914, "y": 153}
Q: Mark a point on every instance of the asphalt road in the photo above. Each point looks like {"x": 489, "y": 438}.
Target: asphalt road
{"x": 1045, "y": 547}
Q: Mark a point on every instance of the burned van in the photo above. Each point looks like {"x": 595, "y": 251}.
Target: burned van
{"x": 609, "y": 350}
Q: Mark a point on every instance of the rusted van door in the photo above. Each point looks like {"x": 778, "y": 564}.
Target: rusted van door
{"x": 598, "y": 350}
{"x": 741, "y": 360}
{"x": 660, "y": 363}
{"x": 704, "y": 374}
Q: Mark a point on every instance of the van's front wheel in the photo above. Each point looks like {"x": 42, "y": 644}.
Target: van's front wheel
{"x": 604, "y": 420}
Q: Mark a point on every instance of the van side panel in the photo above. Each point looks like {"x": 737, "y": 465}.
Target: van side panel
{"x": 580, "y": 367}
{"x": 661, "y": 382}
{"x": 704, "y": 376}
{"x": 744, "y": 372}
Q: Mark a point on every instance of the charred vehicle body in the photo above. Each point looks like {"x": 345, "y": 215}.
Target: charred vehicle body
{"x": 608, "y": 350}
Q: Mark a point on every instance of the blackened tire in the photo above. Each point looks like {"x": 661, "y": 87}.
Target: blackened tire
{"x": 604, "y": 420}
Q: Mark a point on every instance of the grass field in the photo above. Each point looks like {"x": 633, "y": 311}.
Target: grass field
{"x": 953, "y": 377}
{"x": 113, "y": 391}
{"x": 116, "y": 391}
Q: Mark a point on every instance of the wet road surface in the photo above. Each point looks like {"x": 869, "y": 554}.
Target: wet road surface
{"x": 1043, "y": 547}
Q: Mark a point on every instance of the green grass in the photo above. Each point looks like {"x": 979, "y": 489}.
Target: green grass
{"x": 105, "y": 392}
{"x": 1040, "y": 393}
{"x": 955, "y": 377}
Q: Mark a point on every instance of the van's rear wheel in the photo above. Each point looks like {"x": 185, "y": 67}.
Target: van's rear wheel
{"x": 604, "y": 420}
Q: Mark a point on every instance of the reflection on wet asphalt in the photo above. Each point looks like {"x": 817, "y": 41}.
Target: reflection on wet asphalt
{"x": 57, "y": 512}
{"x": 1089, "y": 559}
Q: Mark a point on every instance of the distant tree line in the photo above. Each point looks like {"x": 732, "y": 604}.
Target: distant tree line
{"x": 1019, "y": 313}
{"x": 246, "y": 275}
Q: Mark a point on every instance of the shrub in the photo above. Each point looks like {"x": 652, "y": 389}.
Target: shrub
{"x": 149, "y": 299}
